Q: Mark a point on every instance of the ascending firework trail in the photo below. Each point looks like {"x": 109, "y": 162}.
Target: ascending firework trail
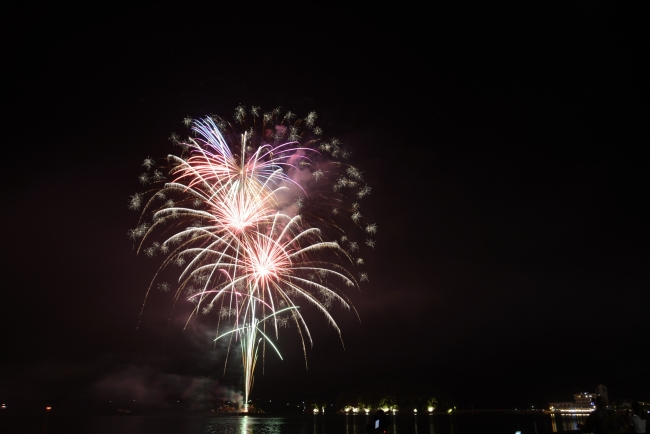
{"x": 260, "y": 215}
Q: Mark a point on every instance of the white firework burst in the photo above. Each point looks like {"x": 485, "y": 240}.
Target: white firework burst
{"x": 365, "y": 191}
{"x": 340, "y": 183}
{"x": 283, "y": 322}
{"x": 354, "y": 173}
{"x": 141, "y": 230}
{"x": 311, "y": 119}
{"x": 363, "y": 277}
{"x": 371, "y": 228}
{"x": 135, "y": 201}
{"x": 201, "y": 279}
{"x": 294, "y": 134}
{"x": 149, "y": 163}
{"x": 164, "y": 287}
{"x": 227, "y": 312}
{"x": 187, "y": 121}
{"x": 240, "y": 113}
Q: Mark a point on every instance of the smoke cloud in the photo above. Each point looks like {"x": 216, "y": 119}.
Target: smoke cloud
{"x": 143, "y": 386}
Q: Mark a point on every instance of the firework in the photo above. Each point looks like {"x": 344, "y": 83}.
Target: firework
{"x": 251, "y": 211}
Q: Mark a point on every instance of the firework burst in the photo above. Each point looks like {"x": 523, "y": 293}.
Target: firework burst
{"x": 252, "y": 219}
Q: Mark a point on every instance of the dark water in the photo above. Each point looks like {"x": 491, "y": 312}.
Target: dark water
{"x": 308, "y": 424}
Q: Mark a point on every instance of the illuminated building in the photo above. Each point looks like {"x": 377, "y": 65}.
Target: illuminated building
{"x": 583, "y": 402}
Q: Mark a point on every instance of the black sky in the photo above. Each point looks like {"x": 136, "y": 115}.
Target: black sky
{"x": 505, "y": 149}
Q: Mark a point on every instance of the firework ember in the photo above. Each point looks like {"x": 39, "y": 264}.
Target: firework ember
{"x": 256, "y": 214}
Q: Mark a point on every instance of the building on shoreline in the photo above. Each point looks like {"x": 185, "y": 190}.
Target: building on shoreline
{"x": 583, "y": 402}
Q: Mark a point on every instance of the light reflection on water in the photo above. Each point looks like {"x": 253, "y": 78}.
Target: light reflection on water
{"x": 246, "y": 425}
{"x": 567, "y": 422}
{"x": 466, "y": 423}
{"x": 419, "y": 424}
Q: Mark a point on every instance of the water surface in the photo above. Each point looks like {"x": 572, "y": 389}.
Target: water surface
{"x": 479, "y": 423}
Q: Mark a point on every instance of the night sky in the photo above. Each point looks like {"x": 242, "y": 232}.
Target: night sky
{"x": 504, "y": 146}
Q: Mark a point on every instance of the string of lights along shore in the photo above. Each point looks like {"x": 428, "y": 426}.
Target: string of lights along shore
{"x": 255, "y": 217}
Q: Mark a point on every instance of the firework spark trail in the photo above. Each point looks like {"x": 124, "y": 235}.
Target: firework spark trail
{"x": 235, "y": 224}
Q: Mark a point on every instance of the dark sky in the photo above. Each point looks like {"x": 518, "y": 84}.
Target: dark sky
{"x": 505, "y": 150}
